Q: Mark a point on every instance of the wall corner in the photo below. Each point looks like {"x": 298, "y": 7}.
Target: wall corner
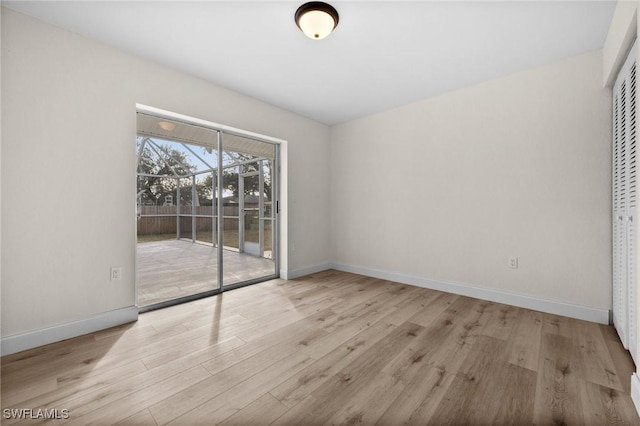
{"x": 622, "y": 33}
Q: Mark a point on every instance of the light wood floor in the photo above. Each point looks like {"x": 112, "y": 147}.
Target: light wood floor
{"x": 332, "y": 348}
{"x": 170, "y": 269}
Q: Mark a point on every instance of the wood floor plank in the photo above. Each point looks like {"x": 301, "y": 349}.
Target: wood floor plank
{"x": 266, "y": 408}
{"x": 503, "y": 322}
{"x": 446, "y": 361}
{"x": 555, "y": 324}
{"x": 483, "y": 390}
{"x": 368, "y": 404}
{"x": 595, "y": 360}
{"x": 16, "y": 394}
{"x": 365, "y": 292}
{"x": 448, "y": 331}
{"x": 202, "y": 340}
{"x": 226, "y": 371}
{"x": 274, "y": 322}
{"x": 524, "y": 344}
{"x": 341, "y": 328}
{"x": 419, "y": 398}
{"x": 141, "y": 418}
{"x": 330, "y": 396}
{"x": 77, "y": 386}
{"x": 605, "y": 406}
{"x": 301, "y": 385}
{"x": 126, "y": 406}
{"x": 293, "y": 337}
{"x": 622, "y": 361}
{"x": 81, "y": 356}
{"x": 433, "y": 308}
{"x": 446, "y": 343}
{"x": 82, "y": 402}
{"x": 228, "y": 403}
{"x": 558, "y": 399}
{"x": 407, "y": 309}
{"x": 331, "y": 348}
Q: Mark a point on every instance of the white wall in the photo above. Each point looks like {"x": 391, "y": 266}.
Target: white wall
{"x": 68, "y": 169}
{"x": 445, "y": 189}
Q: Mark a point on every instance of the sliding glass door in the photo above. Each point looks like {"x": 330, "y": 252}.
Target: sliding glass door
{"x": 206, "y": 219}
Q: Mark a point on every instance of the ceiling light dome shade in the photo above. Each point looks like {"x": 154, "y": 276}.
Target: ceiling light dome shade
{"x": 316, "y": 19}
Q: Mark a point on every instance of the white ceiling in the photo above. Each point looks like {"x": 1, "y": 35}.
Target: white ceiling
{"x": 382, "y": 54}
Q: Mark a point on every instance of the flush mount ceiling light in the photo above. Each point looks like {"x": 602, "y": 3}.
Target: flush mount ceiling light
{"x": 316, "y": 19}
{"x": 165, "y": 125}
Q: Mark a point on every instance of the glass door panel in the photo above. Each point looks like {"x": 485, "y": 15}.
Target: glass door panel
{"x": 248, "y": 183}
{"x": 176, "y": 224}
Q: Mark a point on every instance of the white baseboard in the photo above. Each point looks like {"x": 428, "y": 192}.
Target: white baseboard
{"x": 291, "y": 274}
{"x": 43, "y": 336}
{"x": 635, "y": 391}
{"x": 586, "y": 313}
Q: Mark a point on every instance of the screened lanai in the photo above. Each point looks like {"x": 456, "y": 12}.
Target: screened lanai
{"x": 191, "y": 202}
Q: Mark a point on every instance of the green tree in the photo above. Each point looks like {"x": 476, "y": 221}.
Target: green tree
{"x": 252, "y": 183}
{"x": 154, "y": 189}
{"x": 168, "y": 161}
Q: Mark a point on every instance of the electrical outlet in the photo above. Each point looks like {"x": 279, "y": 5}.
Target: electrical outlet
{"x": 116, "y": 273}
{"x": 512, "y": 262}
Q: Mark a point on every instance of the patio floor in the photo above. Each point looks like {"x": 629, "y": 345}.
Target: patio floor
{"x": 175, "y": 268}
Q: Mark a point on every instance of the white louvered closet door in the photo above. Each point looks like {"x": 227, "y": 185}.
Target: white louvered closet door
{"x": 625, "y": 204}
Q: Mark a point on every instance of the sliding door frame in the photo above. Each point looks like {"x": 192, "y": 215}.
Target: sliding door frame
{"x": 221, "y": 130}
